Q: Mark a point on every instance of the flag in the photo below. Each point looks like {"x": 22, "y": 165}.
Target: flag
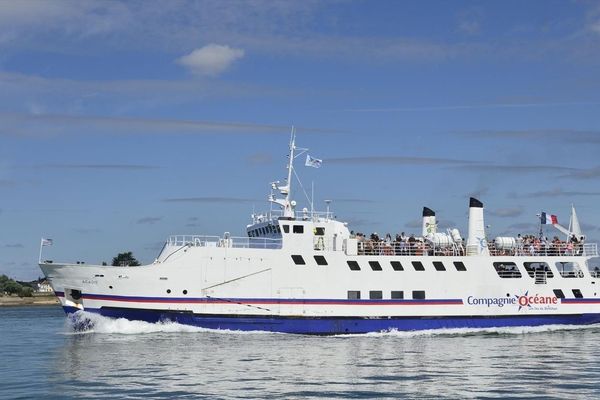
{"x": 548, "y": 219}
{"x": 46, "y": 242}
{"x": 313, "y": 162}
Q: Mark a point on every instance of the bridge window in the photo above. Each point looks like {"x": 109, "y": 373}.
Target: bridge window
{"x": 569, "y": 269}
{"x": 439, "y": 266}
{"x": 354, "y": 265}
{"x": 286, "y": 228}
{"x": 298, "y": 228}
{"x": 298, "y": 260}
{"x": 397, "y": 266}
{"x": 538, "y": 268}
{"x": 353, "y": 294}
{"x": 375, "y": 295}
{"x": 375, "y": 266}
{"x": 577, "y": 293}
{"x": 559, "y": 293}
{"x": 320, "y": 260}
{"x": 397, "y": 294}
{"x": 418, "y": 266}
{"x": 507, "y": 270}
{"x": 460, "y": 266}
{"x": 418, "y": 294}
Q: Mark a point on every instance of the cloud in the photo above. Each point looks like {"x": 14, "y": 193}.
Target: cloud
{"x": 116, "y": 167}
{"x": 7, "y": 183}
{"x": 353, "y": 201}
{"x": 148, "y": 220}
{"x": 524, "y": 226}
{"x": 56, "y": 124}
{"x": 557, "y": 192}
{"x": 210, "y": 60}
{"x": 518, "y": 169}
{"x": 506, "y": 212}
{"x": 87, "y": 231}
{"x": 563, "y": 135}
{"x": 591, "y": 173}
{"x": 260, "y": 159}
{"x": 470, "y": 107}
{"x": 401, "y": 160}
{"x": 231, "y": 200}
{"x": 13, "y": 246}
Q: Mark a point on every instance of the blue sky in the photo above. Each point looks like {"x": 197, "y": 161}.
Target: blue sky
{"x": 124, "y": 122}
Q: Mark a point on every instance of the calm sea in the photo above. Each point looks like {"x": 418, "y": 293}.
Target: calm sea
{"x": 43, "y": 358}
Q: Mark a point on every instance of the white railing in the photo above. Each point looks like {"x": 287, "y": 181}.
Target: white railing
{"x": 314, "y": 216}
{"x": 225, "y": 241}
{"x": 417, "y": 248}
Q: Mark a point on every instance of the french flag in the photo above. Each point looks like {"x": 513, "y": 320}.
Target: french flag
{"x": 548, "y": 219}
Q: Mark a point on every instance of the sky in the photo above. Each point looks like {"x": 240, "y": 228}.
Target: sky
{"x": 122, "y": 123}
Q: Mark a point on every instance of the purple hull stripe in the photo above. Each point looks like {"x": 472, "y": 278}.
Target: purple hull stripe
{"x": 212, "y": 300}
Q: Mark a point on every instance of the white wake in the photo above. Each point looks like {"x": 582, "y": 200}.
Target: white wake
{"x": 83, "y": 322}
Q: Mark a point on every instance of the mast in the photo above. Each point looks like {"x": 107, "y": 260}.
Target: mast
{"x": 287, "y": 204}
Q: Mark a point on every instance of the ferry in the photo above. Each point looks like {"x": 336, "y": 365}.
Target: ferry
{"x": 305, "y": 272}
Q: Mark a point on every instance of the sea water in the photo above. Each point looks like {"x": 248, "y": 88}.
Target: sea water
{"x": 42, "y": 357}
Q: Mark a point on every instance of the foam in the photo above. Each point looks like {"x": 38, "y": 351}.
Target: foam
{"x": 510, "y": 330}
{"x": 83, "y": 322}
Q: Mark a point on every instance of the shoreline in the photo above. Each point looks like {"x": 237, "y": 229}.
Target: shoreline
{"x": 36, "y": 300}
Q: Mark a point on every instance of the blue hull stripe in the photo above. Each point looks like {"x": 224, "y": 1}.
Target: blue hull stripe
{"x": 335, "y": 325}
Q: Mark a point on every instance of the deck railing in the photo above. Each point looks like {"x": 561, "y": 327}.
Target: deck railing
{"x": 417, "y": 248}
{"x": 225, "y": 241}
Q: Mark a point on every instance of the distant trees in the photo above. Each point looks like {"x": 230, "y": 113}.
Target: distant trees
{"x": 10, "y": 286}
{"x": 125, "y": 259}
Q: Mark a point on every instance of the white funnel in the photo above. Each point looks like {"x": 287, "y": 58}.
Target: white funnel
{"x": 476, "y": 242}
{"x": 429, "y": 224}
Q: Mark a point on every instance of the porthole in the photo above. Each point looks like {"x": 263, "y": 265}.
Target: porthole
{"x": 168, "y": 290}
{"x": 110, "y": 287}
{"x": 185, "y": 292}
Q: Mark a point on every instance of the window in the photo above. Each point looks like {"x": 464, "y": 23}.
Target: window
{"x": 397, "y": 266}
{"x": 559, "y": 293}
{"x": 298, "y": 260}
{"x": 397, "y": 294}
{"x": 286, "y": 228}
{"x": 418, "y": 294}
{"x": 569, "y": 269}
{"x": 298, "y": 228}
{"x": 418, "y": 266}
{"x": 439, "y": 266}
{"x": 319, "y": 231}
{"x": 320, "y": 260}
{"x": 507, "y": 270}
{"x": 375, "y": 266}
{"x": 375, "y": 295}
{"x": 537, "y": 269}
{"x": 577, "y": 293}
{"x": 354, "y": 265}
{"x": 460, "y": 266}
{"x": 353, "y": 294}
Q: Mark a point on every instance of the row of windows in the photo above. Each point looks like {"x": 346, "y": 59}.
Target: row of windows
{"x": 264, "y": 231}
{"x": 394, "y": 294}
{"x": 576, "y": 292}
{"x": 397, "y": 265}
{"x": 537, "y": 269}
{"x": 376, "y": 266}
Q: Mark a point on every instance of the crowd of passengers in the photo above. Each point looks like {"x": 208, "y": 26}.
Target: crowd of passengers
{"x": 401, "y": 244}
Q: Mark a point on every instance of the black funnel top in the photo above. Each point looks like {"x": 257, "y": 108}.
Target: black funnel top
{"x": 473, "y": 202}
{"x": 428, "y": 212}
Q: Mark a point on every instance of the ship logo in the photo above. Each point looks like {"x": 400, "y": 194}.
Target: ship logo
{"x": 536, "y": 302}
